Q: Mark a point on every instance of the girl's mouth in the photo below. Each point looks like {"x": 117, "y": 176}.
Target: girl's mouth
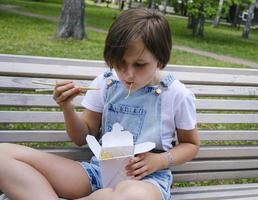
{"x": 128, "y": 84}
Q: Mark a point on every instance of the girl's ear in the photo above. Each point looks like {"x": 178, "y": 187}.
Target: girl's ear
{"x": 159, "y": 65}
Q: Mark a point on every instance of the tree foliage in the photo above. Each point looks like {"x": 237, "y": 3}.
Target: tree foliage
{"x": 198, "y": 11}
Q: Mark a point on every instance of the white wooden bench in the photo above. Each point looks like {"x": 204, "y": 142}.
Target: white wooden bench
{"x": 136, "y": 4}
{"x": 169, "y": 9}
{"x": 227, "y": 117}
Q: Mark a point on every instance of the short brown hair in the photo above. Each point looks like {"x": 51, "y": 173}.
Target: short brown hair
{"x": 146, "y": 24}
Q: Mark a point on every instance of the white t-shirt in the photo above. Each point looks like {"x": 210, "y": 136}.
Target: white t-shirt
{"x": 177, "y": 107}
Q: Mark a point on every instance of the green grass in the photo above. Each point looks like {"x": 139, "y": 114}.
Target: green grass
{"x": 36, "y": 37}
{"x": 223, "y": 40}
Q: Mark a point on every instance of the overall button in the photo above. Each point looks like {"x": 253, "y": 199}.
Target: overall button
{"x": 158, "y": 91}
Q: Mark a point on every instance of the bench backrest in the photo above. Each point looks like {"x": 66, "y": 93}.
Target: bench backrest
{"x": 226, "y": 103}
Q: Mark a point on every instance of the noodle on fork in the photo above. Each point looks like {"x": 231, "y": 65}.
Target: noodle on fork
{"x": 129, "y": 91}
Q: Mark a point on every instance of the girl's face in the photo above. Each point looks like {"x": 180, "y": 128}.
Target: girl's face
{"x": 138, "y": 67}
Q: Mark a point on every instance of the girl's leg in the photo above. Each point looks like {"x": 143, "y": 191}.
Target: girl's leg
{"x": 127, "y": 190}
{"x": 26, "y": 173}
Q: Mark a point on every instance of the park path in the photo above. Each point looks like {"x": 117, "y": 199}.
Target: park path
{"x": 229, "y": 59}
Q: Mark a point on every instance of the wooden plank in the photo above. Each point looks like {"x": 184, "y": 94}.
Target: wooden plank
{"x": 21, "y": 83}
{"x": 244, "y": 198}
{"x": 43, "y": 100}
{"x": 56, "y": 117}
{"x": 228, "y": 135}
{"x": 231, "y": 91}
{"x": 232, "y": 105}
{"x": 216, "y": 195}
{"x": 31, "y": 117}
{"x": 78, "y": 154}
{"x": 101, "y": 63}
{"x": 48, "y": 135}
{"x": 211, "y": 69}
{"x": 32, "y": 100}
{"x": 51, "y": 60}
{"x": 227, "y": 118}
{"x": 214, "y": 188}
{"x": 77, "y": 72}
{"x": 49, "y": 71}
{"x": 229, "y": 151}
{"x": 33, "y": 136}
{"x": 218, "y": 175}
{"x": 217, "y": 165}
{"x": 214, "y": 152}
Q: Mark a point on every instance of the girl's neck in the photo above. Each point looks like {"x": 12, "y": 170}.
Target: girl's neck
{"x": 157, "y": 79}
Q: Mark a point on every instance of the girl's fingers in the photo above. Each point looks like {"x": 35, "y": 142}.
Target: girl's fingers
{"x": 74, "y": 95}
{"x": 135, "y": 159}
{"x": 68, "y": 94}
{"x": 63, "y": 82}
{"x": 139, "y": 172}
{"x": 59, "y": 90}
{"x": 136, "y": 166}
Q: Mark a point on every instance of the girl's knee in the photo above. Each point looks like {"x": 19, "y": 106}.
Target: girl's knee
{"x": 130, "y": 189}
{"x": 14, "y": 151}
{"x": 5, "y": 148}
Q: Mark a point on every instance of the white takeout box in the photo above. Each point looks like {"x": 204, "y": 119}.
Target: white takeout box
{"x": 119, "y": 144}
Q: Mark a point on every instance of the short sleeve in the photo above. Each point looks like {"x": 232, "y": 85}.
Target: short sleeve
{"x": 185, "y": 116}
{"x": 94, "y": 99}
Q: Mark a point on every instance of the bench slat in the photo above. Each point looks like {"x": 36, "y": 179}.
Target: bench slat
{"x": 233, "y": 105}
{"x": 228, "y": 135}
{"x": 77, "y": 72}
{"x": 101, "y": 63}
{"x": 199, "y": 189}
{"x": 217, "y": 165}
{"x": 77, "y": 153}
{"x": 221, "y": 194}
{"x": 218, "y": 175}
{"x": 33, "y": 136}
{"x": 21, "y": 83}
{"x": 32, "y": 100}
{"x": 227, "y": 118}
{"x": 228, "y": 151}
{"x": 231, "y": 91}
{"x": 49, "y": 71}
{"x": 205, "y": 152}
{"x": 41, "y": 100}
{"x": 60, "y": 135}
{"x": 57, "y": 117}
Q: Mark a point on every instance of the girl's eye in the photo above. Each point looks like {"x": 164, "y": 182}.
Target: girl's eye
{"x": 138, "y": 65}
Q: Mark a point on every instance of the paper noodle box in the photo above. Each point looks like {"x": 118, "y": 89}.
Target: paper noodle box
{"x": 114, "y": 154}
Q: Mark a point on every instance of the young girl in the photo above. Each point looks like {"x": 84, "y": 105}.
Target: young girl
{"x": 152, "y": 105}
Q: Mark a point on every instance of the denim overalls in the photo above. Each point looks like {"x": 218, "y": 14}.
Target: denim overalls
{"x": 140, "y": 114}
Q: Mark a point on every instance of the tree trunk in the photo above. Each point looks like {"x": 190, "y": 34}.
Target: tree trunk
{"x": 165, "y": 4}
{"x": 246, "y": 29}
{"x": 190, "y": 22}
{"x": 198, "y": 22}
{"x": 71, "y": 22}
{"x": 236, "y": 20}
{"x": 217, "y": 18}
{"x": 152, "y": 4}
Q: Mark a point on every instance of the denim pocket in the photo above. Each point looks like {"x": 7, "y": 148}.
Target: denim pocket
{"x": 130, "y": 117}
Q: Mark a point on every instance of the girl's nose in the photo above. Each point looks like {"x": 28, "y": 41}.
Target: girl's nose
{"x": 129, "y": 71}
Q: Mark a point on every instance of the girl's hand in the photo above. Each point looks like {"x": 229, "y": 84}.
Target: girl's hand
{"x": 145, "y": 164}
{"x": 64, "y": 92}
